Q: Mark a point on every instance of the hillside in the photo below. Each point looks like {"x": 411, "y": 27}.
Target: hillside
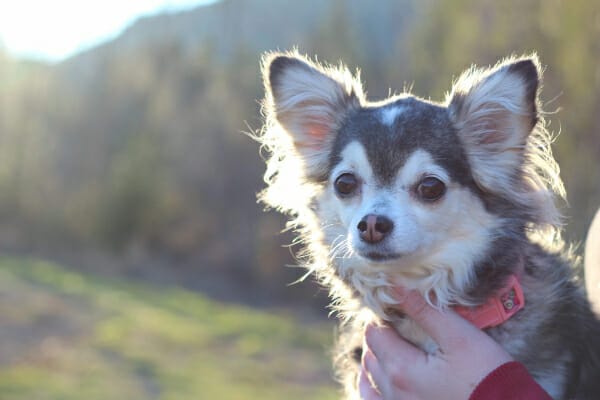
{"x": 228, "y": 26}
{"x": 67, "y": 335}
{"x": 130, "y": 159}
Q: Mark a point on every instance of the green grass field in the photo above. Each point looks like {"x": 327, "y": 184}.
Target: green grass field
{"x": 65, "y": 335}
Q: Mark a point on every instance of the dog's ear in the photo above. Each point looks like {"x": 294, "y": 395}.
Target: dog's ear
{"x": 309, "y": 102}
{"x": 495, "y": 111}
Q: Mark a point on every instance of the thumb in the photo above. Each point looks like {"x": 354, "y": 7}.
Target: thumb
{"x": 445, "y": 327}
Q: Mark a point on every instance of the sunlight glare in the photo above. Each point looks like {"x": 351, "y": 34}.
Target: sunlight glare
{"x": 52, "y": 30}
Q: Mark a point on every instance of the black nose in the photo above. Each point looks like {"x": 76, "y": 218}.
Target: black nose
{"x": 374, "y": 228}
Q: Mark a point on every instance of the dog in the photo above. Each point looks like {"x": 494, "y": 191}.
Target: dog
{"x": 455, "y": 199}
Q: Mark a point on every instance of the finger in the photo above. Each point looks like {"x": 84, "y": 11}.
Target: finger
{"x": 365, "y": 387}
{"x": 447, "y": 328}
{"x": 392, "y": 352}
{"x": 374, "y": 373}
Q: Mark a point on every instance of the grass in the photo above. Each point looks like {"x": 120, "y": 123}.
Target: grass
{"x": 66, "y": 335}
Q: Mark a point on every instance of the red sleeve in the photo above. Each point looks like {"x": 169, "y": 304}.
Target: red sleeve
{"x": 509, "y": 381}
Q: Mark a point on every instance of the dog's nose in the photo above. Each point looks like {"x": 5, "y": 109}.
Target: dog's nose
{"x": 374, "y": 228}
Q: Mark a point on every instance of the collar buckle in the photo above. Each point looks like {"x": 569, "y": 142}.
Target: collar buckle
{"x": 498, "y": 309}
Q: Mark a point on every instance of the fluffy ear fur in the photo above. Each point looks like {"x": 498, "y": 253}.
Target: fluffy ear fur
{"x": 495, "y": 111}
{"x": 309, "y": 102}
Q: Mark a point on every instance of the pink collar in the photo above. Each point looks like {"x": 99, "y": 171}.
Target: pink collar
{"x": 497, "y": 309}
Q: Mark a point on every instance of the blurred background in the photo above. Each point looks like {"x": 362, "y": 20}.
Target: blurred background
{"x": 135, "y": 262}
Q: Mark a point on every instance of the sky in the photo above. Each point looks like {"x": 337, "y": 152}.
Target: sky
{"x": 53, "y": 30}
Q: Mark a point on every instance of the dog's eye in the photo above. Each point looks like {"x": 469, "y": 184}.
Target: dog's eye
{"x": 346, "y": 184}
{"x": 431, "y": 189}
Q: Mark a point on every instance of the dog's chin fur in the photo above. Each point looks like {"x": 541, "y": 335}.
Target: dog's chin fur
{"x": 511, "y": 213}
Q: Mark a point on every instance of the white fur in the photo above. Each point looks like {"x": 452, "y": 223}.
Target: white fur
{"x": 418, "y": 165}
{"x": 388, "y": 115}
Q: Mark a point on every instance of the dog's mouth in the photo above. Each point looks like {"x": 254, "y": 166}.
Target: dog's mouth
{"x": 381, "y": 257}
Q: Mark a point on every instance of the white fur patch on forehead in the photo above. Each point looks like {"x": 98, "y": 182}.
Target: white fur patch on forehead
{"x": 419, "y": 164}
{"x": 388, "y": 115}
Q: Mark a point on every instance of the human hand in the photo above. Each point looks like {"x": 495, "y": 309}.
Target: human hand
{"x": 393, "y": 368}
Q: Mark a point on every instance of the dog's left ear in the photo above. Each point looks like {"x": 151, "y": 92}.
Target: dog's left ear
{"x": 494, "y": 111}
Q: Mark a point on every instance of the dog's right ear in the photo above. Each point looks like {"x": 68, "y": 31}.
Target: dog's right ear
{"x": 309, "y": 102}
{"x": 495, "y": 111}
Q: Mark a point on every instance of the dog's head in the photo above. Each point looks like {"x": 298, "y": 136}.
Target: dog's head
{"x": 406, "y": 190}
